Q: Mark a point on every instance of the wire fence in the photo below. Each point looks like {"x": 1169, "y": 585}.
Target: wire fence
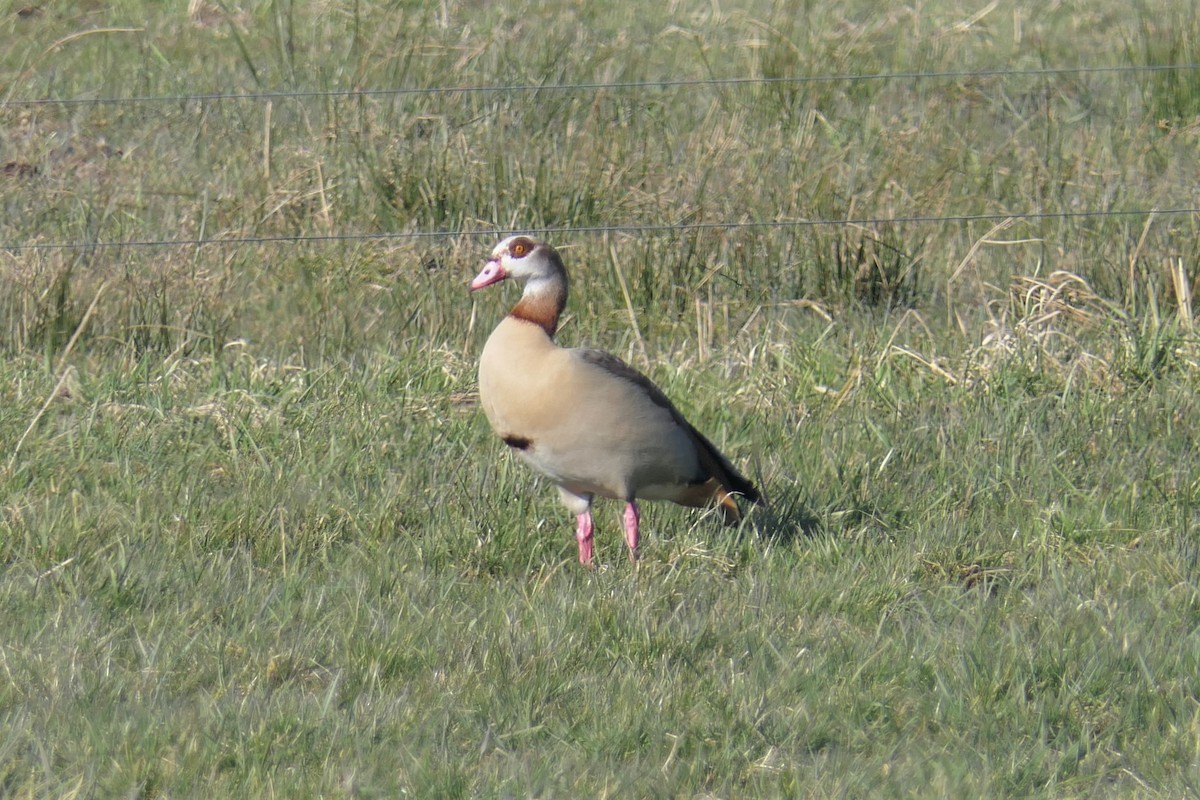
{"x": 603, "y": 229}
{"x": 688, "y": 83}
{"x": 598, "y": 87}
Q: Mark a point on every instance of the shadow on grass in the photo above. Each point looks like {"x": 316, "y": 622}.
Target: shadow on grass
{"x": 789, "y": 516}
{"x": 785, "y": 517}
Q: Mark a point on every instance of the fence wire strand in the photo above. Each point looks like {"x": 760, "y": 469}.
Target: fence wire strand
{"x": 683, "y": 83}
{"x": 592, "y": 230}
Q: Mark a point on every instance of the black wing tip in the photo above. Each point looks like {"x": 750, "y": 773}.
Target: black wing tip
{"x": 725, "y": 473}
{"x": 745, "y": 488}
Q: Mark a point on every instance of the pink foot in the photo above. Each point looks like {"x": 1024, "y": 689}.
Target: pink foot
{"x": 583, "y": 534}
{"x": 632, "y": 518}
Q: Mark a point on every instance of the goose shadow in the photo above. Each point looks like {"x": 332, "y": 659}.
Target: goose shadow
{"x": 788, "y": 515}
{"x": 784, "y": 517}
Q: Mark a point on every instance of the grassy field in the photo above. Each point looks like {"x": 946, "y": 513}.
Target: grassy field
{"x": 256, "y": 539}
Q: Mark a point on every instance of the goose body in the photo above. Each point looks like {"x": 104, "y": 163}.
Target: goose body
{"x": 593, "y": 425}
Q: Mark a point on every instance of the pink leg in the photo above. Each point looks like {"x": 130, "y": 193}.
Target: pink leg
{"x": 583, "y": 534}
{"x": 632, "y": 518}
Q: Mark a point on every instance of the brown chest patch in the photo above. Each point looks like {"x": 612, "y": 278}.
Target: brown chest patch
{"x": 540, "y": 312}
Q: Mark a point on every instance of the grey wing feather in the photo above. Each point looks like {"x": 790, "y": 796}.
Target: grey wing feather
{"x": 712, "y": 459}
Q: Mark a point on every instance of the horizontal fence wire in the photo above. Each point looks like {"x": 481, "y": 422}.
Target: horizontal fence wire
{"x": 686, "y": 83}
{"x": 601, "y": 229}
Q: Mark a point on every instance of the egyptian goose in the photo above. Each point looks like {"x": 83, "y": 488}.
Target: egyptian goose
{"x": 591, "y": 423}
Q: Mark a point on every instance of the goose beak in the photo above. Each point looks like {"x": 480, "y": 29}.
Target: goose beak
{"x": 491, "y": 273}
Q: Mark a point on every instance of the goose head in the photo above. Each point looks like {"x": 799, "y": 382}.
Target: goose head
{"x": 522, "y": 258}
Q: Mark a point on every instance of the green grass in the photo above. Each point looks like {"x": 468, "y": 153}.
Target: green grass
{"x": 256, "y": 538}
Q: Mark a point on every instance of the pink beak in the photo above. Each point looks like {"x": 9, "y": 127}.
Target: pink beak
{"x": 492, "y": 273}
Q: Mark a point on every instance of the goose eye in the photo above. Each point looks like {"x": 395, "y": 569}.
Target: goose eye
{"x": 520, "y": 248}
